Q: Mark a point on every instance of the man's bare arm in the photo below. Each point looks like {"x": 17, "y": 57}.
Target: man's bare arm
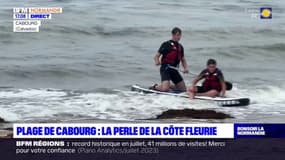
{"x": 194, "y": 82}
{"x": 157, "y": 58}
{"x": 224, "y": 87}
{"x": 185, "y": 65}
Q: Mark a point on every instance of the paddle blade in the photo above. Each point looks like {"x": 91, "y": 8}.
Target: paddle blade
{"x": 229, "y": 85}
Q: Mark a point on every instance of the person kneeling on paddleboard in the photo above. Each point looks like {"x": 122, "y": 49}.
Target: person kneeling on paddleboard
{"x": 171, "y": 53}
{"x": 213, "y": 85}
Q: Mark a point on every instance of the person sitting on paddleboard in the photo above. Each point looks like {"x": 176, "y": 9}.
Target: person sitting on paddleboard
{"x": 213, "y": 85}
{"x": 169, "y": 56}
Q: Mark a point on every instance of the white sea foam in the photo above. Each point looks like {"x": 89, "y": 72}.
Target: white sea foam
{"x": 38, "y": 104}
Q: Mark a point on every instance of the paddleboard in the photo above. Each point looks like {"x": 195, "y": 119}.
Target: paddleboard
{"x": 222, "y": 101}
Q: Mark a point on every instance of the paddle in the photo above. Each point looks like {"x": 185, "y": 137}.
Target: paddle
{"x": 229, "y": 85}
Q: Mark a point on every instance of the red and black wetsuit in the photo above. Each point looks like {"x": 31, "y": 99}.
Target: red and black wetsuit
{"x": 212, "y": 80}
{"x": 172, "y": 53}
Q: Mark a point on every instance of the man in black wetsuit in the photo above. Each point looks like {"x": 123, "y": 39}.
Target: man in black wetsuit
{"x": 213, "y": 85}
{"x": 169, "y": 56}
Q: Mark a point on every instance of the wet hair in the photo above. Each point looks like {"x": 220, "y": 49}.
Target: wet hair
{"x": 176, "y": 30}
{"x": 211, "y": 61}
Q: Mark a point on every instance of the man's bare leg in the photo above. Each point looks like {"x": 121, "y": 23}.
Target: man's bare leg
{"x": 180, "y": 86}
{"x": 164, "y": 86}
{"x": 172, "y": 86}
{"x": 211, "y": 93}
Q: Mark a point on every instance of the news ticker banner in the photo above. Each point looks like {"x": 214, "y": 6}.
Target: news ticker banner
{"x": 29, "y": 19}
{"x": 148, "y": 130}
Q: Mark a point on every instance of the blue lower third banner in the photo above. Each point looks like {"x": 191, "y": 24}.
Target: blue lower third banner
{"x": 257, "y": 130}
{"x": 123, "y": 141}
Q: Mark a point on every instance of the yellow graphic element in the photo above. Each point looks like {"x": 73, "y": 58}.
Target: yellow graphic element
{"x": 266, "y": 13}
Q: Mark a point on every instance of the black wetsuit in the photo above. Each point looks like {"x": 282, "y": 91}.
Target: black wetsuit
{"x": 172, "y": 53}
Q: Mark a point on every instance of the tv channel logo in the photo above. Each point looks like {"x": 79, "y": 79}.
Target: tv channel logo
{"x": 266, "y": 13}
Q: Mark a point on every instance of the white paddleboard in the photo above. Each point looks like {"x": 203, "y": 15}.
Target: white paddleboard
{"x": 223, "y": 101}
